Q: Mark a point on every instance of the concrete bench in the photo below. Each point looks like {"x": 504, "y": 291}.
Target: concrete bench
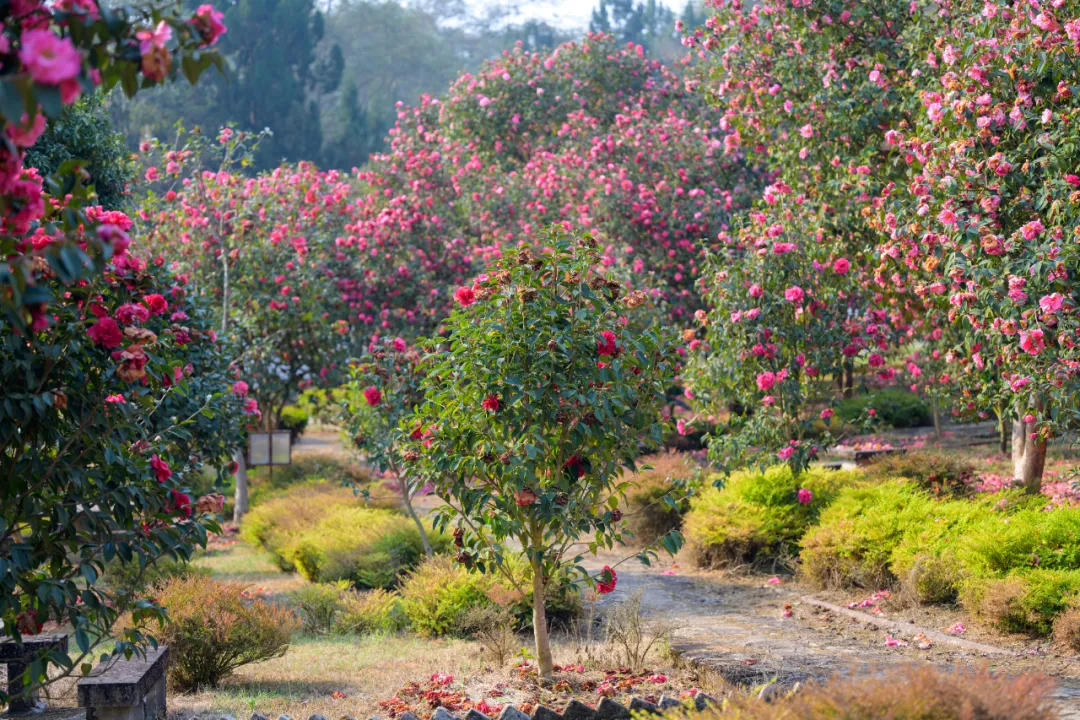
{"x": 122, "y": 689}
{"x": 17, "y": 657}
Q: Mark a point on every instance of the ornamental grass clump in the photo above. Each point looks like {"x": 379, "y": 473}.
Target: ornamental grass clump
{"x": 542, "y": 390}
{"x": 214, "y": 628}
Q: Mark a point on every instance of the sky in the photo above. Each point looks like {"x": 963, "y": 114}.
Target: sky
{"x": 561, "y": 13}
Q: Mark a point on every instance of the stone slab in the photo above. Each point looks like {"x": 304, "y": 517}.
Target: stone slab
{"x": 123, "y": 683}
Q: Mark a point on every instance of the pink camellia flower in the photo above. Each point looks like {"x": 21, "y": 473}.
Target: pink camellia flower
{"x": 766, "y": 380}
{"x": 1029, "y": 418}
{"x": 826, "y": 413}
{"x": 1032, "y": 230}
{"x": 680, "y": 426}
{"x": 26, "y": 133}
{"x": 373, "y": 395}
{"x": 240, "y": 388}
{"x": 465, "y": 296}
{"x": 774, "y": 580}
{"x": 106, "y": 332}
{"x": 49, "y": 59}
{"x": 841, "y": 266}
{"x": 658, "y": 678}
{"x": 947, "y": 217}
{"x": 794, "y": 294}
{"x": 756, "y": 291}
{"x": 1051, "y": 303}
{"x": 251, "y": 407}
{"x": 957, "y": 629}
{"x": 130, "y": 314}
{"x": 117, "y": 399}
{"x": 1032, "y": 342}
{"x": 399, "y": 345}
{"x": 786, "y": 453}
{"x": 491, "y": 403}
{"x": 208, "y": 23}
{"x": 442, "y": 679}
{"x": 156, "y": 38}
{"x": 805, "y": 496}
{"x": 161, "y": 468}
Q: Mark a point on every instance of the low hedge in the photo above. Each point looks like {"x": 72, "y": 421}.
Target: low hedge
{"x": 898, "y": 408}
{"x": 327, "y": 534}
{"x": 992, "y": 551}
{"x": 756, "y": 517}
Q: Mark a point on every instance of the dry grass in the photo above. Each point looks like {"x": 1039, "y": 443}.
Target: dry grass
{"x": 910, "y": 693}
{"x": 1067, "y": 629}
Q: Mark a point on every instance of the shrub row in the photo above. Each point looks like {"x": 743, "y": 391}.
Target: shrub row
{"x": 329, "y": 534}
{"x": 756, "y": 517}
{"x": 432, "y": 601}
{"x": 1010, "y": 561}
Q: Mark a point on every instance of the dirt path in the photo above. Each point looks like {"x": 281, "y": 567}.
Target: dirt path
{"x": 735, "y": 626}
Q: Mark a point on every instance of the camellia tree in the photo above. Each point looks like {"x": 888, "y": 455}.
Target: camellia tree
{"x": 262, "y": 251}
{"x": 544, "y": 389}
{"x": 112, "y": 392}
{"x": 380, "y": 399}
{"x": 812, "y": 91}
{"x": 983, "y": 233}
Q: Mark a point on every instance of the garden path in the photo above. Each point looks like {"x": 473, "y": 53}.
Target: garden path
{"x": 734, "y": 625}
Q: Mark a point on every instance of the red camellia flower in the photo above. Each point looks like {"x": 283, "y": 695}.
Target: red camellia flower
{"x": 157, "y": 304}
{"x": 524, "y": 498}
{"x": 180, "y": 503}
{"x": 373, "y": 396}
{"x": 606, "y": 344}
{"x": 465, "y": 296}
{"x": 491, "y": 402}
{"x": 161, "y": 469}
{"x": 106, "y": 332}
{"x": 608, "y": 580}
{"x": 240, "y": 388}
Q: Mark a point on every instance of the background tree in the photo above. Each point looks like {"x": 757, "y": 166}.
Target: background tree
{"x": 83, "y": 132}
{"x": 544, "y": 389}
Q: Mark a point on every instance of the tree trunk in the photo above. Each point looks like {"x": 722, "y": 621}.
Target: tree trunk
{"x": 1003, "y": 435}
{"x": 540, "y": 628}
{"x": 416, "y": 519}
{"x": 240, "y": 504}
{"x": 1029, "y": 456}
{"x": 849, "y": 380}
{"x": 936, "y": 411}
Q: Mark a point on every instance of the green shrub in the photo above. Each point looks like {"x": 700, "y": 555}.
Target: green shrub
{"x": 756, "y": 517}
{"x": 1023, "y": 601}
{"x": 437, "y": 595}
{"x": 214, "y": 629}
{"x": 295, "y": 420}
{"x": 939, "y": 473}
{"x": 646, "y": 516}
{"x": 372, "y": 612}
{"x": 1028, "y": 537}
{"x": 321, "y": 605}
{"x": 898, "y": 408}
{"x": 857, "y": 534}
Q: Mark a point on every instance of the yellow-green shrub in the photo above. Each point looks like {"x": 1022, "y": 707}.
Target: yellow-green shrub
{"x": 855, "y": 536}
{"x": 756, "y": 516}
{"x": 372, "y": 612}
{"x": 327, "y": 534}
{"x": 438, "y": 593}
{"x": 1027, "y": 601}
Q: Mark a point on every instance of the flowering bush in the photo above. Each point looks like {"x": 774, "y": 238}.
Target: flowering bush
{"x": 590, "y": 136}
{"x": 544, "y": 389}
{"x": 112, "y": 393}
